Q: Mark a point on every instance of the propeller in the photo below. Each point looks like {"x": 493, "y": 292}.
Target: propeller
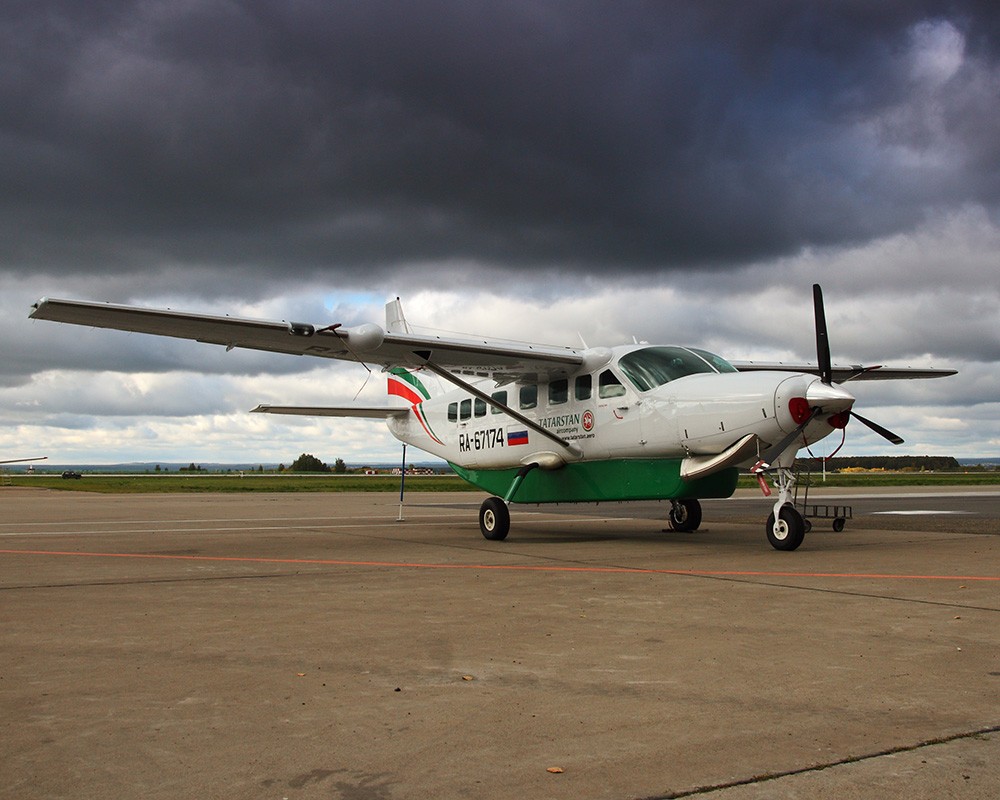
{"x": 822, "y": 338}
{"x": 826, "y": 370}
{"x": 885, "y": 433}
{"x": 775, "y": 450}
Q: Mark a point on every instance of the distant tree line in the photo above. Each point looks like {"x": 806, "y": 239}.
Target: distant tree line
{"x": 307, "y": 462}
{"x": 890, "y": 463}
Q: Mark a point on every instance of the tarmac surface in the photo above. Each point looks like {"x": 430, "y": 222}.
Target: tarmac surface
{"x": 311, "y": 646}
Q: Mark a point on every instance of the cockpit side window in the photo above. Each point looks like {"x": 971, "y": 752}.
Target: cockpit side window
{"x": 608, "y": 385}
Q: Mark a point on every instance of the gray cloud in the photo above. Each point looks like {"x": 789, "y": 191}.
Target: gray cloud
{"x": 330, "y": 138}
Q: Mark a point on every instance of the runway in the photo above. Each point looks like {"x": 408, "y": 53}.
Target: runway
{"x": 311, "y": 646}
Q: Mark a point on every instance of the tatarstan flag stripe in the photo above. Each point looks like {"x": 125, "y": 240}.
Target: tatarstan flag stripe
{"x": 405, "y": 391}
{"x": 407, "y": 376}
{"x": 424, "y": 423}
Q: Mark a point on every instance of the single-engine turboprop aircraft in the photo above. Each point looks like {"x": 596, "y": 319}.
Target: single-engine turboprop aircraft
{"x": 541, "y": 424}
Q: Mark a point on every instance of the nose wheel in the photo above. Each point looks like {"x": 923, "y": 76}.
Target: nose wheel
{"x": 787, "y": 531}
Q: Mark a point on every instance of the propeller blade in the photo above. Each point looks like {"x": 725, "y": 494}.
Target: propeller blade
{"x": 776, "y": 450}
{"x": 822, "y": 338}
{"x": 885, "y": 433}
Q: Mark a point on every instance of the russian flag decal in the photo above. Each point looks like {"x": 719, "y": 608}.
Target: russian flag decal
{"x": 516, "y": 437}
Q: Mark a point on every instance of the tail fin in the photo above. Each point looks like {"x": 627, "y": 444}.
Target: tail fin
{"x": 395, "y": 322}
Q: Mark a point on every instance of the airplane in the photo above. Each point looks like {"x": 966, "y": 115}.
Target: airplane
{"x": 532, "y": 423}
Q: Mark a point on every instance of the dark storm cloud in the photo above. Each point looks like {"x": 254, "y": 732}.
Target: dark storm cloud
{"x": 310, "y": 138}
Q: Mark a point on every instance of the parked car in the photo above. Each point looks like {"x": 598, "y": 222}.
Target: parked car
{"x": 72, "y": 474}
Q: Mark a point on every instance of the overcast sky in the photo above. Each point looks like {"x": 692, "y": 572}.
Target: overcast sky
{"x": 677, "y": 172}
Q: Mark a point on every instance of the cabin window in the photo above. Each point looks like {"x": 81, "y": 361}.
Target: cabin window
{"x": 465, "y": 409}
{"x": 608, "y": 385}
{"x": 500, "y": 397}
{"x": 559, "y": 391}
{"x": 479, "y": 407}
{"x": 584, "y": 385}
{"x": 528, "y": 396}
{"x": 452, "y": 412}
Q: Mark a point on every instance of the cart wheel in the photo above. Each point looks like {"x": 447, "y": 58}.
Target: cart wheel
{"x": 838, "y": 524}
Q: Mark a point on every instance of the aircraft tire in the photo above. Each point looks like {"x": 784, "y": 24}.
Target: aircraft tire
{"x": 791, "y": 529}
{"x": 494, "y": 519}
{"x": 685, "y": 515}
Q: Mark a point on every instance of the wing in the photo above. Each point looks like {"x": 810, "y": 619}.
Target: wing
{"x": 364, "y": 412}
{"x": 366, "y": 343}
{"x": 21, "y": 460}
{"x": 842, "y": 374}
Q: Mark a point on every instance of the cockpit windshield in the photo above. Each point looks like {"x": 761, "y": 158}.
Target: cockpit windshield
{"x": 655, "y": 366}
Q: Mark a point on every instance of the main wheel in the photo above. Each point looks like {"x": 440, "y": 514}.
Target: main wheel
{"x": 789, "y": 531}
{"x": 494, "y": 519}
{"x": 685, "y": 515}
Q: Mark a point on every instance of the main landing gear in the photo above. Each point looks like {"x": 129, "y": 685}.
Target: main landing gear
{"x": 494, "y": 515}
{"x": 494, "y": 519}
{"x": 685, "y": 515}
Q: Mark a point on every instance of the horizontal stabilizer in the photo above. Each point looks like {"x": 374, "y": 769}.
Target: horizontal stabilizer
{"x": 699, "y": 466}
{"x": 364, "y": 412}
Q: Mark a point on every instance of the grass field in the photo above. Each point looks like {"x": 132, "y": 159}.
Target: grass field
{"x": 254, "y": 482}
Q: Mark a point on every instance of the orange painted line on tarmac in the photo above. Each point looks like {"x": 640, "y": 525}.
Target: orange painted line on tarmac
{"x": 513, "y": 567}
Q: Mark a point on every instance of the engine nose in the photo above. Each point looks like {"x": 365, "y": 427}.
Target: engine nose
{"x": 829, "y": 397}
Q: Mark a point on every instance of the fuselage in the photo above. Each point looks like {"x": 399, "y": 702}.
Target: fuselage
{"x": 632, "y": 402}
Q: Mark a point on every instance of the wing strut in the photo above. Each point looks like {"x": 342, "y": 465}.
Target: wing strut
{"x": 490, "y": 401}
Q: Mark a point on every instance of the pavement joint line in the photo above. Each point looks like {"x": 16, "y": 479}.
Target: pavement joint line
{"x": 507, "y": 567}
{"x": 241, "y": 529}
{"x": 890, "y": 751}
{"x": 192, "y": 521}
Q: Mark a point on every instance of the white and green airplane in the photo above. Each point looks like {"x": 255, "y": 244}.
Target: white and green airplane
{"x": 534, "y": 423}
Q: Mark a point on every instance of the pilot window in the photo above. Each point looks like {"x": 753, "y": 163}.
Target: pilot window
{"x": 559, "y": 391}
{"x": 609, "y": 386}
{"x": 583, "y": 387}
{"x": 452, "y": 412}
{"x": 465, "y": 409}
{"x": 479, "y": 407}
{"x": 528, "y": 396}
{"x": 500, "y": 397}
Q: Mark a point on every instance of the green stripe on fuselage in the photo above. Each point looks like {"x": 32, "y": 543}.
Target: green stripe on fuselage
{"x": 603, "y": 481}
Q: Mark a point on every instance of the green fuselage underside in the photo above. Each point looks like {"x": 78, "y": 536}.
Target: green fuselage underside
{"x": 603, "y": 481}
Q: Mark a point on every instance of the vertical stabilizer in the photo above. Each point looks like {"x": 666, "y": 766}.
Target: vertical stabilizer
{"x": 395, "y": 322}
